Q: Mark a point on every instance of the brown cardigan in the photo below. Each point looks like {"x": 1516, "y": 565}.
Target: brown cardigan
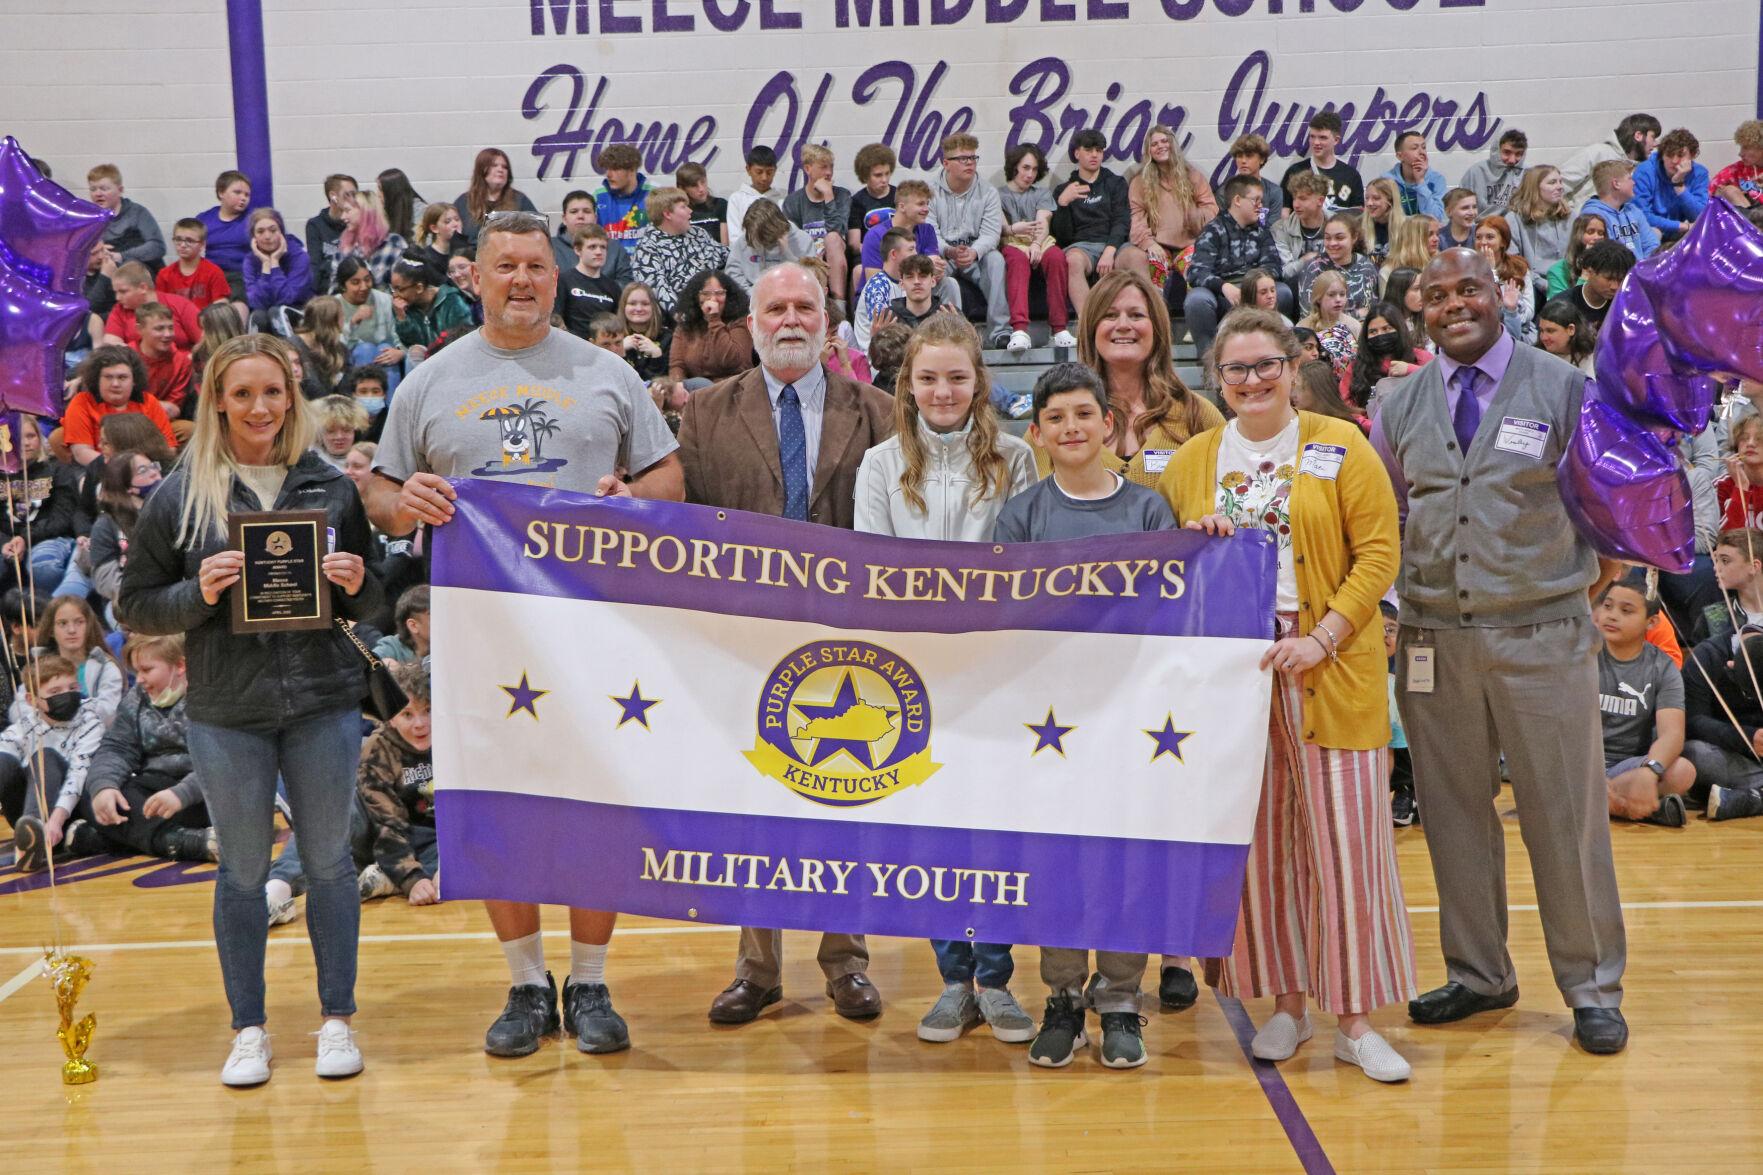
{"x": 728, "y": 443}
{"x": 723, "y": 350}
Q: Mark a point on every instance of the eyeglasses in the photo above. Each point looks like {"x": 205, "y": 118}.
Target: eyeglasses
{"x": 186, "y": 240}
{"x": 1264, "y": 369}
{"x": 962, "y": 158}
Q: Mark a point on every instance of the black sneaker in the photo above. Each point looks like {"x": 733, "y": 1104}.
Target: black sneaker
{"x": 1061, "y": 1034}
{"x": 1403, "y": 812}
{"x": 587, "y": 1008}
{"x": 530, "y": 1014}
{"x": 82, "y": 840}
{"x": 1671, "y": 813}
{"x": 1724, "y": 803}
{"x": 1123, "y": 1044}
{"x": 1176, "y": 989}
{"x": 30, "y": 845}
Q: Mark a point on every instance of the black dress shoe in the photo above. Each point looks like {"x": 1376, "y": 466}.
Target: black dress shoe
{"x": 1176, "y": 989}
{"x": 742, "y": 1001}
{"x": 1453, "y": 1001}
{"x": 1600, "y": 1030}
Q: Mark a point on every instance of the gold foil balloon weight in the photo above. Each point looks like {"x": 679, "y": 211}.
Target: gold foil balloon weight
{"x": 68, "y": 975}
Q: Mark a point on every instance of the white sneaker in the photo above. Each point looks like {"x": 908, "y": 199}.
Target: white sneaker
{"x": 1373, "y": 1054}
{"x": 1280, "y": 1037}
{"x": 1064, "y": 340}
{"x": 282, "y": 911}
{"x": 337, "y": 1054}
{"x": 375, "y": 884}
{"x": 1019, "y": 342}
{"x": 248, "y": 1063}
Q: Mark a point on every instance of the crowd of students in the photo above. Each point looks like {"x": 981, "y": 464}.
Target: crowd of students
{"x": 99, "y": 753}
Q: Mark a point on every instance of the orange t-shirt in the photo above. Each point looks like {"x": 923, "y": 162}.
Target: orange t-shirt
{"x": 1659, "y": 632}
{"x": 85, "y": 412}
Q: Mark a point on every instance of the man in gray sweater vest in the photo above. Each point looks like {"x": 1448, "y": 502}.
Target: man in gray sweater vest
{"x": 1498, "y": 653}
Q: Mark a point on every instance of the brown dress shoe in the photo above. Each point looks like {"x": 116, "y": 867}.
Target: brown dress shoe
{"x": 742, "y": 1001}
{"x": 854, "y": 997}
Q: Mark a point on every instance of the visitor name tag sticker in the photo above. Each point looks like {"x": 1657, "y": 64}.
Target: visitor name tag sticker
{"x": 1157, "y": 460}
{"x": 1525, "y": 437}
{"x": 1323, "y": 461}
{"x": 1420, "y": 670}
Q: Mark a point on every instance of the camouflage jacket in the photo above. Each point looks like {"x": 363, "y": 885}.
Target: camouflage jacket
{"x": 397, "y": 785}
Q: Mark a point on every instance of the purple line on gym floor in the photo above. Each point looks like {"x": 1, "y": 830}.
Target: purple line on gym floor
{"x": 1279, "y": 1094}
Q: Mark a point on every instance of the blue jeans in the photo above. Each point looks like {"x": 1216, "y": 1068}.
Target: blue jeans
{"x": 361, "y": 355}
{"x": 317, "y": 758}
{"x": 988, "y": 964}
{"x": 53, "y": 569}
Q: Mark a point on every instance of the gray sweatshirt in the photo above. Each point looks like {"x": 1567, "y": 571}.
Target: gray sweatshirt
{"x": 1493, "y": 183}
{"x": 974, "y": 218}
{"x": 135, "y": 234}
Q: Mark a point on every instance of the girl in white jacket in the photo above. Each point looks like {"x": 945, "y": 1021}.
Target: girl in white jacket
{"x": 945, "y": 474}
{"x": 947, "y": 470}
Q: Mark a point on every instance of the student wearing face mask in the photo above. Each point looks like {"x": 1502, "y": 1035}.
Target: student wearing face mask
{"x": 371, "y": 385}
{"x": 128, "y": 478}
{"x": 43, "y": 759}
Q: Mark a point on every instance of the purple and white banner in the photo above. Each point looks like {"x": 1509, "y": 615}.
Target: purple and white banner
{"x": 725, "y": 717}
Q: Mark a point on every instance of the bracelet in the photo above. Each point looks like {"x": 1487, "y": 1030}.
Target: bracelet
{"x": 1329, "y": 648}
{"x": 1324, "y": 629}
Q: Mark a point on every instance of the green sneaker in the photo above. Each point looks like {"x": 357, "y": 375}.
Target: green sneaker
{"x": 1061, "y": 1034}
{"x": 1123, "y": 1045}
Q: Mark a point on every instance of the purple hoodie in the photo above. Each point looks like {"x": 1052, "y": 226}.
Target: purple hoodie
{"x": 289, "y": 284}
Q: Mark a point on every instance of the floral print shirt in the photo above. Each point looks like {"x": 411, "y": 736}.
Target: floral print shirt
{"x": 1255, "y": 490}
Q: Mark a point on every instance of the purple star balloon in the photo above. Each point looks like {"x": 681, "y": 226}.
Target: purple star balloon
{"x": 46, "y": 233}
{"x": 1707, "y": 293}
{"x": 1637, "y": 373}
{"x": 35, "y": 327}
{"x": 1624, "y": 490}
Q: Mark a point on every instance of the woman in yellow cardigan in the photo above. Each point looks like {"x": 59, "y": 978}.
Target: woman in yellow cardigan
{"x": 1322, "y": 913}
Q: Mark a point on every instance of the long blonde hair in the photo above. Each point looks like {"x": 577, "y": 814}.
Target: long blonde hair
{"x": 1529, "y": 204}
{"x": 1165, "y": 393}
{"x": 991, "y": 473}
{"x": 1325, "y": 281}
{"x": 1392, "y": 224}
{"x": 1409, "y": 247}
{"x": 208, "y": 464}
{"x": 1155, "y": 178}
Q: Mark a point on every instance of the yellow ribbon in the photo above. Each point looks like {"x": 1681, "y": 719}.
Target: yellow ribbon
{"x": 841, "y": 787}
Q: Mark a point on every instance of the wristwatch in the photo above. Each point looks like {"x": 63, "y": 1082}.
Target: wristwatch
{"x": 1656, "y": 767}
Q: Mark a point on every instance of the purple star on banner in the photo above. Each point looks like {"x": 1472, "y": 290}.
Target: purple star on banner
{"x": 524, "y": 697}
{"x": 1169, "y": 740}
{"x": 1048, "y": 734}
{"x": 636, "y": 707}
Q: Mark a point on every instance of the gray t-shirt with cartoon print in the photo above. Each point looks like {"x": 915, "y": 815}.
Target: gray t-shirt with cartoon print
{"x": 560, "y": 414}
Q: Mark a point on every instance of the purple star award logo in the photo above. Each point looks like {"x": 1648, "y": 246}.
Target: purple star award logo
{"x": 844, "y": 723}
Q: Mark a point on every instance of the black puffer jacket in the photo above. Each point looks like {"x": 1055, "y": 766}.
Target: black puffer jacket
{"x": 250, "y": 682}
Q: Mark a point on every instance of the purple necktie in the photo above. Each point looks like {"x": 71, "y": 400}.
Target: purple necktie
{"x": 1467, "y": 416}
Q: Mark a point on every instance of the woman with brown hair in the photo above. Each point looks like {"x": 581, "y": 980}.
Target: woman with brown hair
{"x": 492, "y": 190}
{"x": 1322, "y": 914}
{"x": 1170, "y": 202}
{"x": 1124, "y": 336}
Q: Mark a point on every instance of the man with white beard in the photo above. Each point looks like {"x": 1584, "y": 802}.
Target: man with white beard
{"x": 786, "y": 439}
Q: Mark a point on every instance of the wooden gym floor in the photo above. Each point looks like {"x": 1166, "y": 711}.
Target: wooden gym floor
{"x": 804, "y": 1090}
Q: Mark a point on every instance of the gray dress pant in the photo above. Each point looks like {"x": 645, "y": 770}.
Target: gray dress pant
{"x": 1532, "y": 692}
{"x": 761, "y": 957}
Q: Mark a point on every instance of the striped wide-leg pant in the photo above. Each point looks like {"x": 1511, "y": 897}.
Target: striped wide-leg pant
{"x": 1322, "y": 910}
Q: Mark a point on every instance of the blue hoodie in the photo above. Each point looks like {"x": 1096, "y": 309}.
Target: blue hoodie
{"x": 1627, "y": 225}
{"x": 1661, "y": 203}
{"x": 1426, "y": 198}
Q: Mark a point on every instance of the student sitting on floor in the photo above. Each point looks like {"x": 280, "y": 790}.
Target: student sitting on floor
{"x": 141, "y": 789}
{"x": 43, "y": 759}
{"x": 410, "y": 628}
{"x": 1641, "y": 697}
{"x": 396, "y": 790}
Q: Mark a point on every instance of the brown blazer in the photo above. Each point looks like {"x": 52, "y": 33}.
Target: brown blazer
{"x": 729, "y": 446}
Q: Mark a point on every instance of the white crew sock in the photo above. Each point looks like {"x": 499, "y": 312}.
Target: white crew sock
{"x": 277, "y": 890}
{"x": 587, "y": 962}
{"x": 526, "y": 960}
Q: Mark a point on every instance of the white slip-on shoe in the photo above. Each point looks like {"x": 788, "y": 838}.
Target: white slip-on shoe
{"x": 337, "y": 1054}
{"x": 1064, "y": 341}
{"x": 1280, "y": 1037}
{"x": 1373, "y": 1054}
{"x": 248, "y": 1063}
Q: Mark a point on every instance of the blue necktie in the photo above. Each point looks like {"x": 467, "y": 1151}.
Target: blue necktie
{"x": 1467, "y": 416}
{"x": 792, "y": 451}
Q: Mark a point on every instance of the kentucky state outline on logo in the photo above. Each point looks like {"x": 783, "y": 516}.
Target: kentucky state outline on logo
{"x": 844, "y": 723}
